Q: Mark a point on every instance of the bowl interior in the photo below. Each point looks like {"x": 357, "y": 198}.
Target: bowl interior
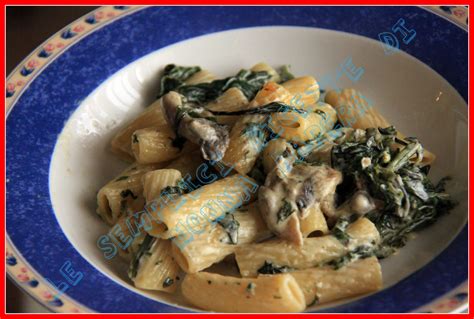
{"x": 412, "y": 96}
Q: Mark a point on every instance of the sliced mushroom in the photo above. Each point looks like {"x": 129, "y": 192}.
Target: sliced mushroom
{"x": 284, "y": 200}
{"x": 359, "y": 203}
{"x": 194, "y": 124}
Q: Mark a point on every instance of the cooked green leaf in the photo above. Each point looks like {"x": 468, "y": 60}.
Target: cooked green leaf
{"x": 142, "y": 251}
{"x": 285, "y": 211}
{"x": 168, "y": 282}
{"x": 285, "y": 74}
{"x": 270, "y": 268}
{"x": 174, "y": 77}
{"x": 247, "y": 81}
{"x": 409, "y": 199}
{"x": 231, "y": 227}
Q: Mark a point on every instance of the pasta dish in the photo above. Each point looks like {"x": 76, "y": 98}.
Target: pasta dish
{"x": 261, "y": 192}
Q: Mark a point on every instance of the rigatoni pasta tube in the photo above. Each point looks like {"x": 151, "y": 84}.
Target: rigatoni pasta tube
{"x": 157, "y": 270}
{"x": 190, "y": 213}
{"x": 262, "y": 66}
{"x": 187, "y": 163}
{"x": 270, "y": 92}
{"x": 277, "y": 293}
{"x": 314, "y": 222}
{"x": 203, "y": 76}
{"x": 152, "y": 116}
{"x": 315, "y": 250}
{"x": 304, "y": 91}
{"x": 213, "y": 245}
{"x": 122, "y": 194}
{"x": 231, "y": 100}
{"x": 295, "y": 127}
{"x": 246, "y": 142}
{"x": 127, "y": 254}
{"x": 325, "y": 284}
{"x": 356, "y": 111}
{"x": 126, "y": 236}
{"x": 153, "y": 145}
{"x": 155, "y": 181}
{"x": 274, "y": 150}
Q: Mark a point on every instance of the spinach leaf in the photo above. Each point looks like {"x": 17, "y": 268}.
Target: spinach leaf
{"x": 247, "y": 81}
{"x": 269, "y": 268}
{"x": 314, "y": 302}
{"x": 273, "y": 107}
{"x": 339, "y": 230}
{"x": 143, "y": 250}
{"x": 174, "y": 77}
{"x": 285, "y": 211}
{"x": 168, "y": 190}
{"x": 285, "y": 74}
{"x": 359, "y": 252}
{"x": 231, "y": 227}
{"x": 251, "y": 288}
{"x": 410, "y": 200}
{"x": 168, "y": 282}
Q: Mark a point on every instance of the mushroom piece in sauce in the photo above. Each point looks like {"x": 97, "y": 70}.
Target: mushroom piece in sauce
{"x": 195, "y": 124}
{"x": 360, "y": 203}
{"x": 284, "y": 200}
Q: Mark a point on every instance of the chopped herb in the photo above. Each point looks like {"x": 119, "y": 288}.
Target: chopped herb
{"x": 134, "y": 138}
{"x": 126, "y": 193}
{"x": 359, "y": 252}
{"x": 142, "y": 250}
{"x": 285, "y": 74}
{"x": 251, "y": 288}
{"x": 231, "y": 227}
{"x": 269, "y": 268}
{"x": 314, "y": 302}
{"x": 168, "y": 190}
{"x": 121, "y": 178}
{"x": 168, "y": 282}
{"x": 339, "y": 230}
{"x": 276, "y": 297}
{"x": 158, "y": 262}
{"x": 285, "y": 211}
